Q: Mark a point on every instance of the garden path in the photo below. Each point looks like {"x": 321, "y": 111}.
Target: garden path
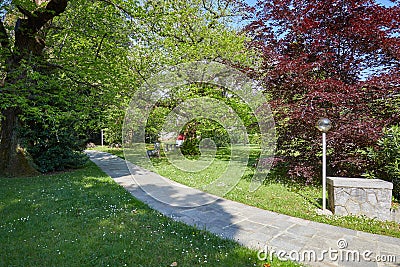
{"x": 258, "y": 229}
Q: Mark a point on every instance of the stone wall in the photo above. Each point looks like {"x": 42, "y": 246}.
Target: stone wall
{"x": 358, "y": 196}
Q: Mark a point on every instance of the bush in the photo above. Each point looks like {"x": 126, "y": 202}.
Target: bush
{"x": 56, "y": 156}
{"x": 190, "y": 147}
{"x": 386, "y": 158}
{"x": 53, "y": 149}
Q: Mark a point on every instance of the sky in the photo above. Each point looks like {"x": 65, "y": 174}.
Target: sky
{"x": 240, "y": 23}
{"x": 383, "y": 2}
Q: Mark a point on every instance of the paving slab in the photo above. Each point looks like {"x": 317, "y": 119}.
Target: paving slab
{"x": 259, "y": 229}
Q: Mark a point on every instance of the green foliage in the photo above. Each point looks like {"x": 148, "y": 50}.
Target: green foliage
{"x": 213, "y": 130}
{"x": 191, "y": 147}
{"x": 155, "y": 123}
{"x": 116, "y": 50}
{"x": 52, "y": 128}
{"x": 181, "y": 31}
{"x": 82, "y": 75}
{"x": 96, "y": 55}
{"x": 92, "y": 43}
{"x": 202, "y": 128}
{"x": 386, "y": 158}
{"x": 53, "y": 114}
{"x": 113, "y": 125}
{"x": 57, "y": 155}
{"x": 53, "y": 148}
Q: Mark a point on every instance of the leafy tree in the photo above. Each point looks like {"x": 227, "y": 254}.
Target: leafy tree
{"x": 200, "y": 128}
{"x": 336, "y": 59}
{"x": 62, "y": 68}
{"x": 175, "y": 32}
{"x": 72, "y": 66}
{"x": 21, "y": 56}
{"x": 94, "y": 44}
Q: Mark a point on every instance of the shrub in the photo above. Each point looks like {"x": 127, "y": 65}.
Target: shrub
{"x": 386, "y": 158}
{"x": 53, "y": 148}
{"x": 191, "y": 147}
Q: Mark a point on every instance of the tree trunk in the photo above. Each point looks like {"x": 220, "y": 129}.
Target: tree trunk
{"x": 12, "y": 158}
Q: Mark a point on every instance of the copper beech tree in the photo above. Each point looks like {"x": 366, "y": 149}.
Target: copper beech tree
{"x": 336, "y": 59}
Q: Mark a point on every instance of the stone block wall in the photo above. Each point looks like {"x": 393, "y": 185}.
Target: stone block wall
{"x": 358, "y": 196}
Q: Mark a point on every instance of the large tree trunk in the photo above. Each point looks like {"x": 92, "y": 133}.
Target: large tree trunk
{"x": 13, "y": 161}
{"x": 28, "y": 42}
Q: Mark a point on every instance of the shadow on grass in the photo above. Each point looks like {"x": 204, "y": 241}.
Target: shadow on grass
{"x": 83, "y": 218}
{"x": 278, "y": 175}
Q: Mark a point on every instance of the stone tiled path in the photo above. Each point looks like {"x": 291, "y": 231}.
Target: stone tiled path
{"x": 325, "y": 245}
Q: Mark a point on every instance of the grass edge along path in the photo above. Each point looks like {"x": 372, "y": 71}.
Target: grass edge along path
{"x": 83, "y": 218}
{"x": 297, "y": 201}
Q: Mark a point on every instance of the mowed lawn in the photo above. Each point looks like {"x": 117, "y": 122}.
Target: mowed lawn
{"x": 83, "y": 218}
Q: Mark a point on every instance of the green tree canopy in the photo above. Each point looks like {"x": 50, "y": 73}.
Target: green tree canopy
{"x": 71, "y": 67}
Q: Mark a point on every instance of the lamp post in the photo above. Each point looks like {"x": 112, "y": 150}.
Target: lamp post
{"x": 102, "y": 137}
{"x": 324, "y": 125}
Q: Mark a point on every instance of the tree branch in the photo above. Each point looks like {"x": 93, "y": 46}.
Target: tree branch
{"x": 209, "y": 9}
{"x": 119, "y": 7}
{"x": 27, "y": 40}
{"x": 4, "y": 41}
{"x": 73, "y": 76}
{"x": 43, "y": 15}
{"x": 216, "y": 16}
{"x": 24, "y": 11}
{"x": 99, "y": 47}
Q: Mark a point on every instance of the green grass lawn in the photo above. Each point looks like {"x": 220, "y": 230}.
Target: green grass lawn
{"x": 276, "y": 194}
{"x": 83, "y": 218}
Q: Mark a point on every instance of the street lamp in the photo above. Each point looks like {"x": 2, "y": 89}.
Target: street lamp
{"x": 324, "y": 125}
